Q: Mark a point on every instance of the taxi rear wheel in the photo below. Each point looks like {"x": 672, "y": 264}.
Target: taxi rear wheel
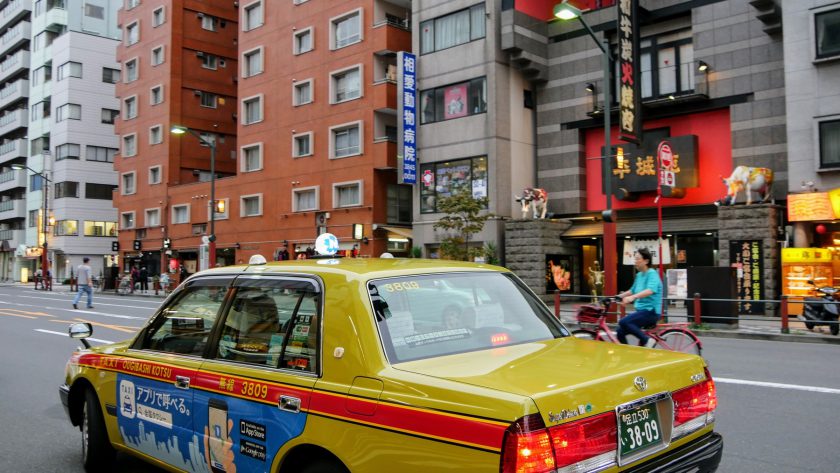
{"x": 323, "y": 466}
{"x": 97, "y": 452}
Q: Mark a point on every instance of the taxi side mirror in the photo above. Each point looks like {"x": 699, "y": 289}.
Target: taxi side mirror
{"x": 81, "y": 331}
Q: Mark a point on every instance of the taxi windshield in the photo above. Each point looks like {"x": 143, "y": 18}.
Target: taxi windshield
{"x": 433, "y": 315}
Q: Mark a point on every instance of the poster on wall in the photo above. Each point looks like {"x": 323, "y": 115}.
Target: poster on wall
{"x": 558, "y": 273}
{"x": 455, "y": 101}
{"x": 746, "y": 257}
{"x": 631, "y": 246}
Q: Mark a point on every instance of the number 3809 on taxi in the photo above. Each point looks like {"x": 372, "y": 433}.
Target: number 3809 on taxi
{"x": 369, "y": 365}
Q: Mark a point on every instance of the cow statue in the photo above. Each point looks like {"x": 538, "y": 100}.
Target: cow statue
{"x": 748, "y": 179}
{"x": 536, "y": 199}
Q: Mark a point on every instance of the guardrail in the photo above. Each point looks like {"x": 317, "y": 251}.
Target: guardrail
{"x": 618, "y": 311}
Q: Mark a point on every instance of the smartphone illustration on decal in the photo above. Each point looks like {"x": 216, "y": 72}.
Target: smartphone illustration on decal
{"x": 217, "y": 424}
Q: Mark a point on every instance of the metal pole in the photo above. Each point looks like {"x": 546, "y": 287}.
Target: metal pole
{"x": 44, "y": 259}
{"x": 212, "y": 246}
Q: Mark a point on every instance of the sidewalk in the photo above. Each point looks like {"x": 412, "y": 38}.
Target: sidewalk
{"x": 65, "y": 288}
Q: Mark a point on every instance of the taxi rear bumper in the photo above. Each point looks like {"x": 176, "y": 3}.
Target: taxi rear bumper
{"x": 702, "y": 455}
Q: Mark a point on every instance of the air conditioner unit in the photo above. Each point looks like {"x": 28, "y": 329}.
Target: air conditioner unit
{"x": 196, "y": 93}
{"x": 199, "y": 54}
{"x": 321, "y": 218}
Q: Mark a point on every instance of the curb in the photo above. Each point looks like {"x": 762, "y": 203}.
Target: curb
{"x": 775, "y": 337}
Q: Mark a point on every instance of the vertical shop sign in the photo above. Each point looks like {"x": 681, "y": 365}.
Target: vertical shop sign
{"x": 629, "y": 93}
{"x": 746, "y": 257}
{"x": 406, "y": 118}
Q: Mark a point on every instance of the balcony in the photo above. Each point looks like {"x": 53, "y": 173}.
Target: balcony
{"x": 14, "y": 11}
{"x": 13, "y": 150}
{"x": 13, "y": 92}
{"x": 14, "y": 64}
{"x": 56, "y": 17}
{"x": 13, "y": 209}
{"x": 388, "y": 37}
{"x": 16, "y": 36}
{"x": 385, "y": 96}
{"x": 384, "y": 155}
{"x": 14, "y": 120}
{"x": 14, "y": 237}
{"x": 12, "y": 180}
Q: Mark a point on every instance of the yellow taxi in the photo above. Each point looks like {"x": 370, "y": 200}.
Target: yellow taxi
{"x": 382, "y": 365}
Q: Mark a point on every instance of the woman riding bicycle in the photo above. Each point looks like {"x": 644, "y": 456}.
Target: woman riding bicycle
{"x": 646, "y": 295}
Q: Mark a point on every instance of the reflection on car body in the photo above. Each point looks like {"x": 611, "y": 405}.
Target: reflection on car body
{"x": 368, "y": 365}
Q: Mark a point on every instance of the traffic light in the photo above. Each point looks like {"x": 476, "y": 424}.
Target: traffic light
{"x": 167, "y": 243}
{"x": 137, "y": 245}
{"x": 115, "y": 246}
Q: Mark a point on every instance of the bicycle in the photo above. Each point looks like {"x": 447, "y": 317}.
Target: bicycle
{"x": 675, "y": 336}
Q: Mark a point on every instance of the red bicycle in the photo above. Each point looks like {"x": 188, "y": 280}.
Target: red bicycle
{"x": 669, "y": 336}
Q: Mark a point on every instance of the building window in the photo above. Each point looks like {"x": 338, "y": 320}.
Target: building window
{"x": 253, "y": 16}
{"x": 454, "y": 101}
{"x": 346, "y": 140}
{"x": 129, "y": 145}
{"x": 252, "y": 157}
{"x": 181, "y": 214}
{"x": 156, "y": 135}
{"x": 36, "y": 183}
{"x": 38, "y": 111}
{"x": 209, "y": 61}
{"x": 130, "y": 108}
{"x": 128, "y": 184}
{"x": 152, "y": 217}
{"x": 154, "y": 175}
{"x": 130, "y": 4}
{"x": 399, "y": 203}
{"x": 131, "y": 70}
{"x": 41, "y": 75}
{"x": 99, "y": 191}
{"x": 829, "y": 132}
{"x": 305, "y": 199}
{"x": 126, "y": 220}
{"x": 303, "y": 41}
{"x": 34, "y": 218}
{"x": 158, "y": 17}
{"x": 67, "y": 228}
{"x": 252, "y": 110}
{"x": 302, "y": 145}
{"x": 110, "y": 76}
{"x": 346, "y": 85}
{"x": 199, "y": 229}
{"x": 453, "y": 29}
{"x": 209, "y": 22}
{"x": 440, "y": 180}
{"x": 94, "y": 11}
{"x": 70, "y": 69}
{"x": 68, "y": 111}
{"x": 157, "y": 56}
{"x": 827, "y": 29}
{"x": 100, "y": 154}
{"x": 252, "y": 62}
{"x": 666, "y": 65}
{"x": 302, "y": 92}
{"x": 156, "y": 95}
{"x": 347, "y": 194}
{"x": 100, "y": 229}
{"x": 67, "y": 151}
{"x": 66, "y": 189}
{"x": 109, "y": 116}
{"x": 209, "y": 100}
{"x": 346, "y": 29}
{"x": 132, "y": 33}
{"x": 250, "y": 205}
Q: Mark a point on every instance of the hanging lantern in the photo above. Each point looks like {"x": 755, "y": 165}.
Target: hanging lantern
{"x": 821, "y": 229}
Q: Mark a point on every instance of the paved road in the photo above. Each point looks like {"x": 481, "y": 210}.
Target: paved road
{"x": 778, "y": 408}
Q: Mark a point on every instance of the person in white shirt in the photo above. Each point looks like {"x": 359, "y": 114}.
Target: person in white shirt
{"x": 83, "y": 280}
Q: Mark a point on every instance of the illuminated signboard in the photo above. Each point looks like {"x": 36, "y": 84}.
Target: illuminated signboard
{"x": 746, "y": 257}
{"x": 809, "y": 207}
{"x": 629, "y": 93}
{"x": 634, "y": 167}
{"x": 407, "y": 118}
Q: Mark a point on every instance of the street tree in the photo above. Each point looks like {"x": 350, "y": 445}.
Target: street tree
{"x": 464, "y": 218}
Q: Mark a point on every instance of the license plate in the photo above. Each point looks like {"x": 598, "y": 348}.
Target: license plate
{"x": 639, "y": 429}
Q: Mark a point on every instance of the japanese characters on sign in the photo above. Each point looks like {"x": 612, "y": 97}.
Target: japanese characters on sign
{"x": 746, "y": 257}
{"x": 629, "y": 98}
{"x": 406, "y": 118}
{"x": 634, "y": 167}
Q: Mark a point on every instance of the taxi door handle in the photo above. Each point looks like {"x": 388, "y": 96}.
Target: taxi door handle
{"x": 182, "y": 382}
{"x": 289, "y": 403}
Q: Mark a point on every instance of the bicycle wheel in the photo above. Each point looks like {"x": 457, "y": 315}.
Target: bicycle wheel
{"x": 584, "y": 334}
{"x": 680, "y": 340}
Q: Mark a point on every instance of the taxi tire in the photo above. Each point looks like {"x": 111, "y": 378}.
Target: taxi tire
{"x": 324, "y": 466}
{"x": 97, "y": 452}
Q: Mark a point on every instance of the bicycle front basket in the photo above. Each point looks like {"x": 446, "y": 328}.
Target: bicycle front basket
{"x": 589, "y": 314}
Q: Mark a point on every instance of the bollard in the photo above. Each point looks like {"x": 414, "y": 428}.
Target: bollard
{"x": 784, "y": 310}
{"x": 697, "y": 319}
{"x": 557, "y": 304}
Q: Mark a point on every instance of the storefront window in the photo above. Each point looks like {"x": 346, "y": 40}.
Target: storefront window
{"x": 830, "y": 144}
{"x": 454, "y": 101}
{"x": 440, "y": 180}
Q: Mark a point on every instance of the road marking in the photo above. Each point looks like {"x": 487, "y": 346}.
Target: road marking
{"x": 103, "y": 314}
{"x": 120, "y": 328}
{"x": 23, "y": 313}
{"x": 797, "y": 387}
{"x": 67, "y": 335}
{"x": 69, "y": 299}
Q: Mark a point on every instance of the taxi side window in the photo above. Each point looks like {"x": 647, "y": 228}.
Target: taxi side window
{"x": 272, "y": 323}
{"x": 184, "y": 326}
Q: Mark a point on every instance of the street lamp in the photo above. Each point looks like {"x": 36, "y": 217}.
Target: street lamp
{"x": 564, "y": 11}
{"x": 44, "y": 186}
{"x": 180, "y": 130}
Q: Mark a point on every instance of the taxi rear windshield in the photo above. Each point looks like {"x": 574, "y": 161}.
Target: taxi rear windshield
{"x": 441, "y": 314}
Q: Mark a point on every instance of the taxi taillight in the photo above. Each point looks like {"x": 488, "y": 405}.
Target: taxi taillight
{"x": 695, "y": 401}
{"x": 531, "y": 448}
